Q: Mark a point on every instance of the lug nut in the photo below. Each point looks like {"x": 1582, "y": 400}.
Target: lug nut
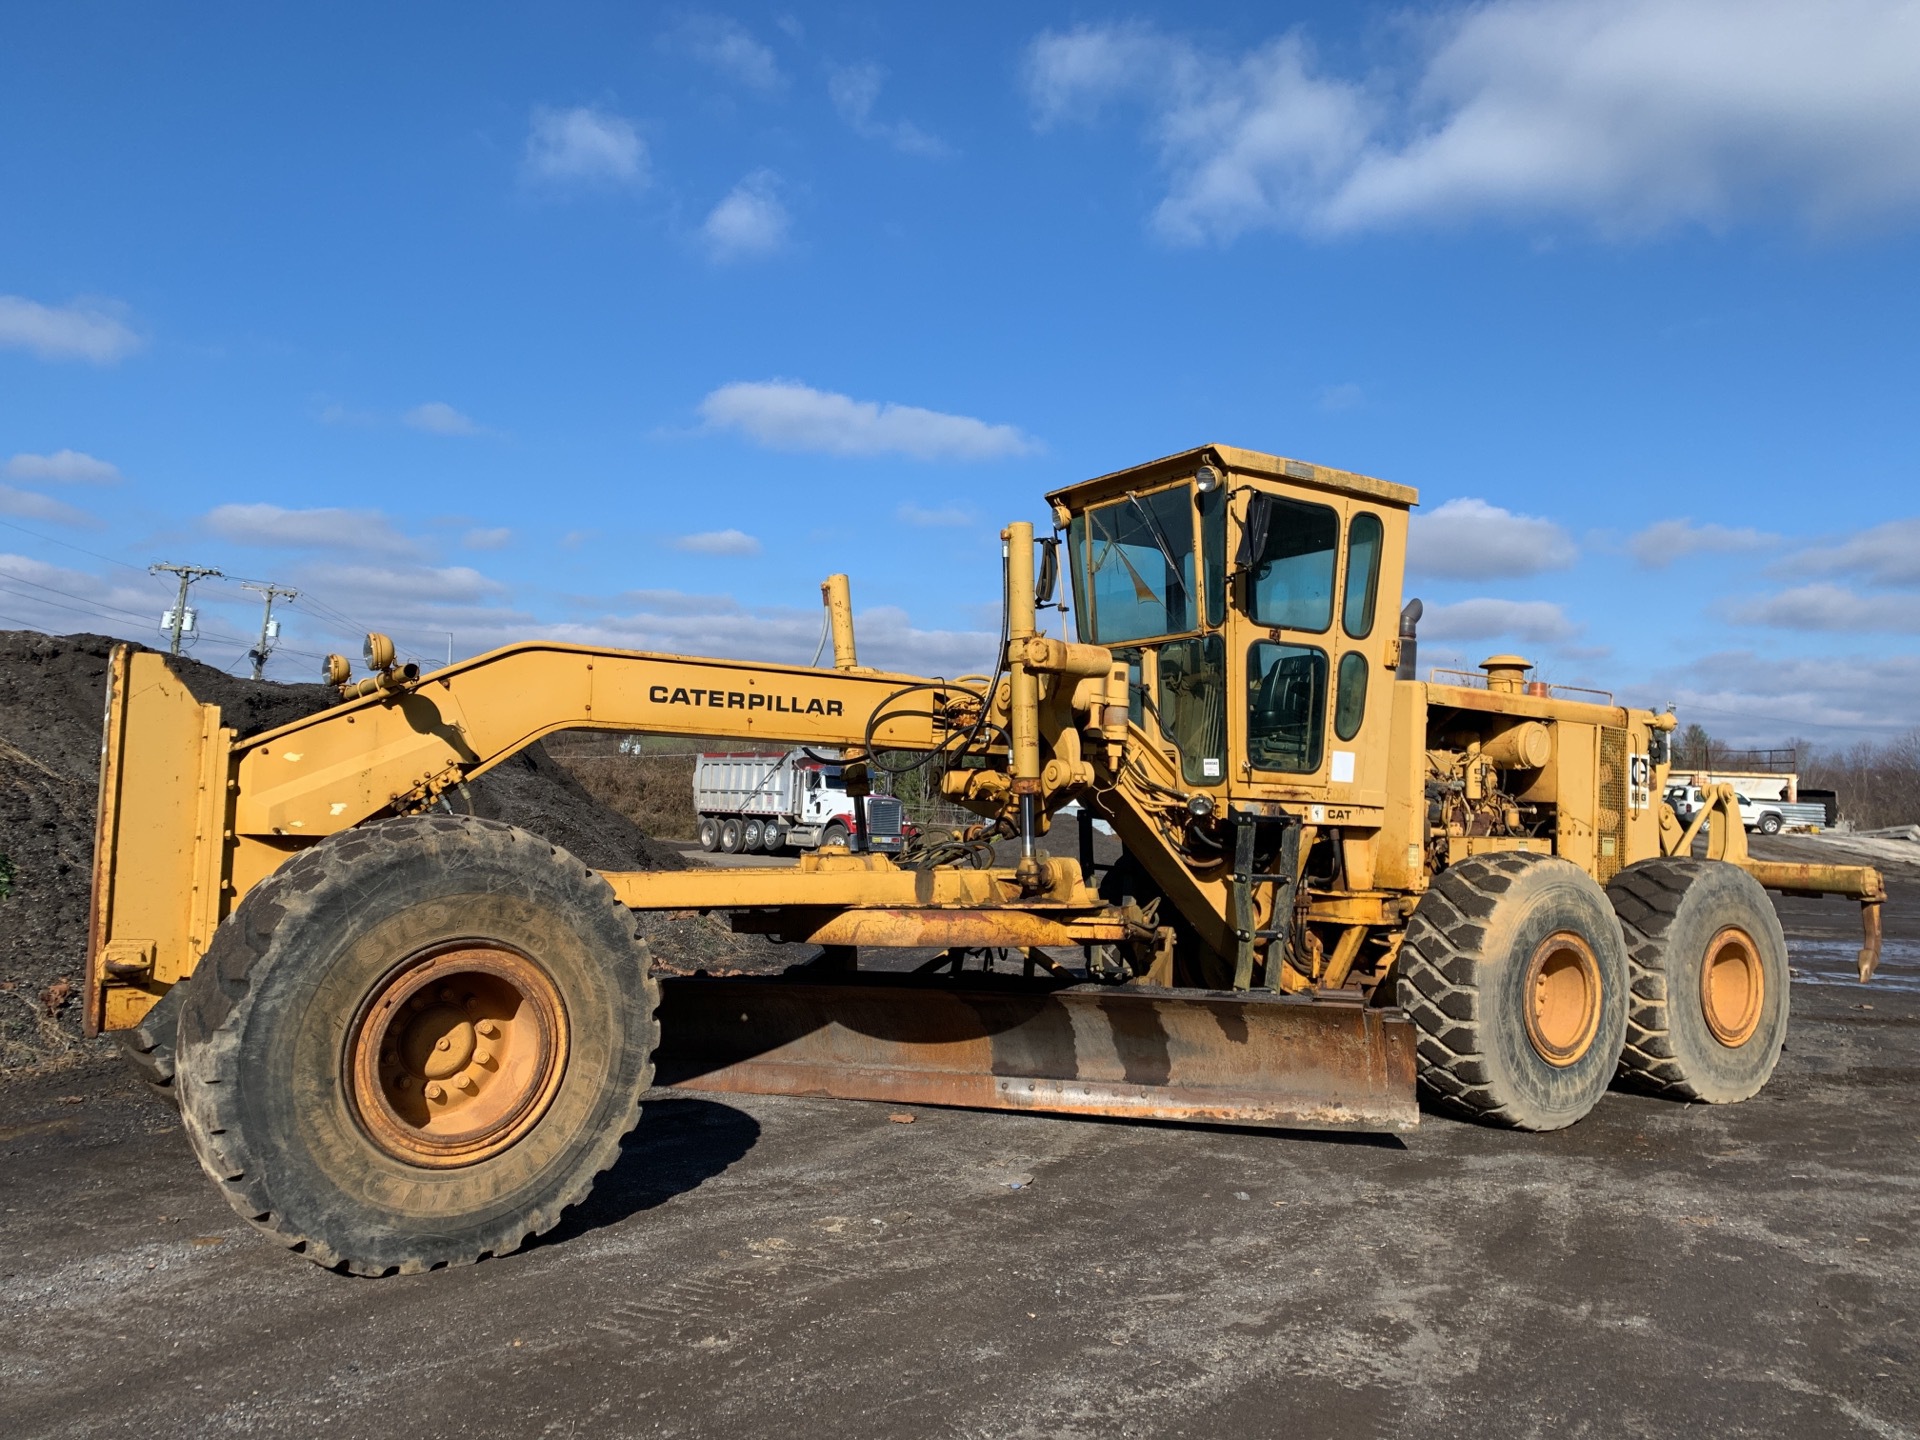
{"x": 437, "y": 1093}
{"x": 483, "y": 1057}
{"x": 467, "y": 1083}
{"x": 443, "y": 1043}
{"x": 488, "y": 1028}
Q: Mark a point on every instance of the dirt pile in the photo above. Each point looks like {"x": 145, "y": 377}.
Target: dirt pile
{"x": 52, "y": 696}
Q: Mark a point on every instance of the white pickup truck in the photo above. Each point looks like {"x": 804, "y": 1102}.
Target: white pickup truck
{"x": 1764, "y": 817}
{"x": 768, "y": 803}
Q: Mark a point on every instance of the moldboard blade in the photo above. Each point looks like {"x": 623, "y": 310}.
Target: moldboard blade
{"x": 1232, "y": 1058}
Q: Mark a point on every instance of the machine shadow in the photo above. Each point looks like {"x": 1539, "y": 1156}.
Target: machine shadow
{"x": 679, "y": 1144}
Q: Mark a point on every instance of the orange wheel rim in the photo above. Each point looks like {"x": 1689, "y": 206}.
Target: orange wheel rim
{"x": 1733, "y": 987}
{"x": 456, "y": 1054}
{"x": 1562, "y": 998}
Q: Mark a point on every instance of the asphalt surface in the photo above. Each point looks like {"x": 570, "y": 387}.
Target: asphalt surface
{"x": 793, "y": 1267}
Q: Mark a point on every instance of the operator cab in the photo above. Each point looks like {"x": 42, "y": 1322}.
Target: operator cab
{"x": 1252, "y": 597}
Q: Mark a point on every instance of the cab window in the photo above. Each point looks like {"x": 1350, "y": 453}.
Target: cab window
{"x": 1363, "y": 575}
{"x": 1193, "y": 705}
{"x": 1137, "y": 555}
{"x": 1286, "y": 706}
{"x": 1292, "y": 583}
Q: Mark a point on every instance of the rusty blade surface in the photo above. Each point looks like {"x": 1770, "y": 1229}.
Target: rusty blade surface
{"x": 1226, "y": 1058}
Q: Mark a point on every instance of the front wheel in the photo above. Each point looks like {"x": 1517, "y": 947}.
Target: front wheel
{"x": 1769, "y": 825}
{"x": 1515, "y": 972}
{"x": 416, "y": 1043}
{"x": 835, "y": 834}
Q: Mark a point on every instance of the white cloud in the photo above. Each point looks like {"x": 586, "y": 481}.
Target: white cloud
{"x": 672, "y": 621}
{"x": 317, "y": 529}
{"x": 750, "y": 223}
{"x": 487, "y": 539}
{"x": 786, "y": 415}
{"x": 1887, "y": 554}
{"x": 854, "y": 90}
{"x": 436, "y": 417}
{"x": 65, "y": 467}
{"x": 1626, "y": 115}
{"x": 727, "y": 46}
{"x": 85, "y": 330}
{"x": 1540, "y": 621}
{"x": 584, "y": 146}
{"x": 718, "y": 542}
{"x": 945, "y": 516}
{"x": 1468, "y": 539}
{"x": 31, "y": 505}
{"x": 62, "y": 601}
{"x": 1666, "y": 541}
{"x": 1745, "y": 697}
{"x": 1830, "y": 607}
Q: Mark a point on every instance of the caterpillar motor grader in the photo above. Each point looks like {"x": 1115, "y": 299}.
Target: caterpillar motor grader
{"x": 402, "y": 1037}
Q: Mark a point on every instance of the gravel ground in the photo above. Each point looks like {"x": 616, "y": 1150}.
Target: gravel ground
{"x": 797, "y": 1267}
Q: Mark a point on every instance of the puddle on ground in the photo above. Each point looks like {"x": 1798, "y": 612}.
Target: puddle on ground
{"x": 1833, "y": 962}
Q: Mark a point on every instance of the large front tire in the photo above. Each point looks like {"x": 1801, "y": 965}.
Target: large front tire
{"x": 416, "y": 1044}
{"x": 1515, "y": 972}
{"x": 1708, "y": 1012}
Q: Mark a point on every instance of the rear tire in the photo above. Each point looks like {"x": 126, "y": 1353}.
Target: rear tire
{"x": 730, "y": 836}
{"x": 1707, "y": 1015}
{"x": 149, "y": 1046}
{"x": 432, "y": 953}
{"x": 773, "y": 837}
{"x": 1515, "y": 972}
{"x": 709, "y": 834}
{"x": 750, "y": 832}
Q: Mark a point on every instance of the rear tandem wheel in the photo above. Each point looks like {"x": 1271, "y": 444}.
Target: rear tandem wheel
{"x": 417, "y": 1043}
{"x": 1515, "y": 972}
{"x": 1707, "y": 1011}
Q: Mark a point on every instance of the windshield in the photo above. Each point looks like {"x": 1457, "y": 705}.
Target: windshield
{"x": 1139, "y": 565}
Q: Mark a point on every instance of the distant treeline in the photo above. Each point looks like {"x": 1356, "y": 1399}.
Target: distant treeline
{"x": 1878, "y": 781}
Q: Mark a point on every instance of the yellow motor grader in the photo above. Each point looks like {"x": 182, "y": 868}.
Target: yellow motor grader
{"x": 403, "y": 1037}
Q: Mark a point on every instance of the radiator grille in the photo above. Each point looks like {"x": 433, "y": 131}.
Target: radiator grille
{"x": 883, "y": 815}
{"x": 1611, "y": 820}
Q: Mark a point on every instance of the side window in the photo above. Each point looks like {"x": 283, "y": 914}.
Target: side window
{"x": 1350, "y": 699}
{"x": 1213, "y": 546}
{"x": 1076, "y": 563}
{"x": 1293, "y": 573}
{"x": 1193, "y": 705}
{"x": 1363, "y": 575}
{"x": 1286, "y": 706}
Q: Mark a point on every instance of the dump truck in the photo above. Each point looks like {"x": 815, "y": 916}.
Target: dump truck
{"x": 403, "y": 1037}
{"x": 750, "y": 802}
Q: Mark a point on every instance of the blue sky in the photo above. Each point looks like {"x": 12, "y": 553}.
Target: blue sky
{"x": 629, "y": 323}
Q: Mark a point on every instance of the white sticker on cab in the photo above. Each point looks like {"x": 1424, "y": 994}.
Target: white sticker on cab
{"x": 1342, "y": 767}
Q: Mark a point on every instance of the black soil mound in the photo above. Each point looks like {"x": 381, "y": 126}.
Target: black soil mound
{"x": 52, "y": 699}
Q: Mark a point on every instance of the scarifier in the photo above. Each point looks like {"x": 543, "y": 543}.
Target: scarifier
{"x": 402, "y": 1037}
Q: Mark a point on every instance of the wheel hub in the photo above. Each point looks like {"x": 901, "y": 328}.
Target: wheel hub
{"x": 1733, "y": 987}
{"x": 1562, "y": 998}
{"x": 456, "y": 1054}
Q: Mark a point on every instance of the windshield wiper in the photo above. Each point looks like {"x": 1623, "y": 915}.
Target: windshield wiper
{"x": 1174, "y": 576}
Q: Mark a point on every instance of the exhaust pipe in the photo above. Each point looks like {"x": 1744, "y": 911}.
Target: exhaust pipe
{"x": 1409, "y": 666}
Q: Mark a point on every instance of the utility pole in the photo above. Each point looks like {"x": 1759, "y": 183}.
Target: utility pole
{"x": 269, "y": 627}
{"x": 180, "y": 619}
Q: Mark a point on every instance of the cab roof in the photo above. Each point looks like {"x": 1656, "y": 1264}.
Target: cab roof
{"x": 1244, "y": 462}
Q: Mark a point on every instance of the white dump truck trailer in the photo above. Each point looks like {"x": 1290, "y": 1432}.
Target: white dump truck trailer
{"x": 771, "y": 802}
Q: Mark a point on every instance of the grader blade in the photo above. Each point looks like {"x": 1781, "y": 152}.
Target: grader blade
{"x": 1223, "y": 1058}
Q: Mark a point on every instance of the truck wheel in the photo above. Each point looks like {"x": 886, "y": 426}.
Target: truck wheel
{"x": 1707, "y": 1013}
{"x": 750, "y": 836}
{"x": 1769, "y": 824}
{"x": 416, "y": 1043}
{"x": 709, "y": 833}
{"x": 730, "y": 836}
{"x": 773, "y": 837}
{"x": 1514, "y": 970}
{"x": 834, "y": 834}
